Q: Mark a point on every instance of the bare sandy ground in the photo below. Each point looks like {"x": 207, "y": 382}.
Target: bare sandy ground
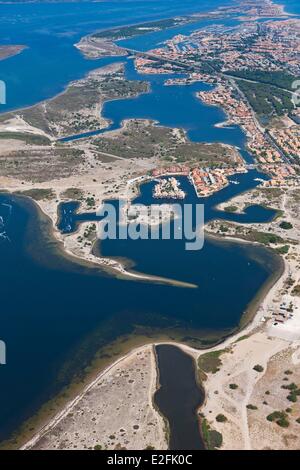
{"x": 274, "y": 347}
{"x": 265, "y": 434}
{"x": 129, "y": 420}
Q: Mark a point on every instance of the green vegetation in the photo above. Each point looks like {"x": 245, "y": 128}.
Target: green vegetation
{"x": 211, "y": 361}
{"x": 89, "y": 232}
{"x": 258, "y": 368}
{"x": 276, "y": 79}
{"x": 285, "y": 225}
{"x": 213, "y": 439}
{"x": 241, "y": 338}
{"x": 283, "y": 423}
{"x": 292, "y": 397}
{"x": 294, "y": 391}
{"x": 72, "y": 193}
{"x": 162, "y": 143}
{"x": 223, "y": 228}
{"x": 279, "y": 417}
{"x": 291, "y": 386}
{"x": 90, "y": 202}
{"x": 264, "y": 238}
{"x": 139, "y": 29}
{"x": 220, "y": 418}
{"x": 73, "y": 111}
{"x": 252, "y": 235}
{"x": 296, "y": 290}
{"x": 28, "y": 138}
{"x": 97, "y": 447}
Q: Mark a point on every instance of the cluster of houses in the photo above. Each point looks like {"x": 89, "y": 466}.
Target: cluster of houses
{"x": 285, "y": 312}
{"x": 288, "y": 139}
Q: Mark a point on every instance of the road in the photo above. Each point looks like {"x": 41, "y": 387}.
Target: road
{"x": 147, "y": 55}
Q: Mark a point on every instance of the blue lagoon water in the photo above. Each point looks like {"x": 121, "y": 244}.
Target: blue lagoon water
{"x": 57, "y": 313}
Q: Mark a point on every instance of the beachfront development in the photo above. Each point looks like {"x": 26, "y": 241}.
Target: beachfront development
{"x": 205, "y": 180}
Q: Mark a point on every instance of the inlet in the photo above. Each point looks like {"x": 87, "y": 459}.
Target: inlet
{"x": 179, "y": 397}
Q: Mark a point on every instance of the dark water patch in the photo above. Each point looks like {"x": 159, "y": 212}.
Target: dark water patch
{"x": 57, "y": 313}
{"x": 178, "y": 397}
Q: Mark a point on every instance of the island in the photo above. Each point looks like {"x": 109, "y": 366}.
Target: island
{"x": 10, "y": 51}
{"x": 72, "y": 152}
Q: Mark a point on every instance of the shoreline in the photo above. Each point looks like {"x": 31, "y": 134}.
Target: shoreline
{"x": 96, "y": 372}
{"x": 193, "y": 352}
{"x": 11, "y": 50}
{"x": 100, "y": 70}
{"x": 253, "y": 310}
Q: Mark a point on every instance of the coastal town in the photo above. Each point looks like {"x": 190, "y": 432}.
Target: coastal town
{"x": 245, "y": 60}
